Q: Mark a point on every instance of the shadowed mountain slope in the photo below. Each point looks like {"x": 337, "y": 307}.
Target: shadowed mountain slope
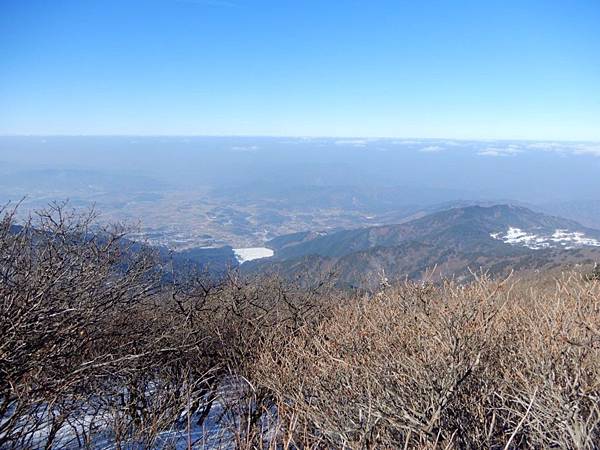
{"x": 497, "y": 238}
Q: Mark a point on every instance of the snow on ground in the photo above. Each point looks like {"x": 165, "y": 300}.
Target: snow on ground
{"x": 575, "y": 237}
{"x": 559, "y": 239}
{"x": 250, "y": 253}
{"x": 217, "y": 431}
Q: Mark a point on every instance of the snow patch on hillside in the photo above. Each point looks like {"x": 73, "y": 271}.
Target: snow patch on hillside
{"x": 251, "y": 253}
{"x": 558, "y": 239}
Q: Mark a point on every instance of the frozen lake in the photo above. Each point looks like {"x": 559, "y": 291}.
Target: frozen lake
{"x": 250, "y": 253}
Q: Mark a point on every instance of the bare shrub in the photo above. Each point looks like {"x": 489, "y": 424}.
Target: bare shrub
{"x": 486, "y": 365}
{"x": 87, "y": 343}
{"x": 247, "y": 316}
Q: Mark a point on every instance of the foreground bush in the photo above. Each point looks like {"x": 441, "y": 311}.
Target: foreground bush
{"x": 96, "y": 347}
{"x": 487, "y": 365}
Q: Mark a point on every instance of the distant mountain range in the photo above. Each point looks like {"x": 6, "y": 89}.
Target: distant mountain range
{"x": 450, "y": 243}
{"x": 496, "y": 238}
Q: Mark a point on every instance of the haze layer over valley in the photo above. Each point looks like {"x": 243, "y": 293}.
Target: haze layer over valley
{"x": 191, "y": 192}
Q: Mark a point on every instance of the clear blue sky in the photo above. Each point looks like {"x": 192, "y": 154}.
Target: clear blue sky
{"x": 459, "y": 69}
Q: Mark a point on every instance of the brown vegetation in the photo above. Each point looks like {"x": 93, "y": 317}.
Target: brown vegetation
{"x": 487, "y": 365}
{"x": 96, "y": 340}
